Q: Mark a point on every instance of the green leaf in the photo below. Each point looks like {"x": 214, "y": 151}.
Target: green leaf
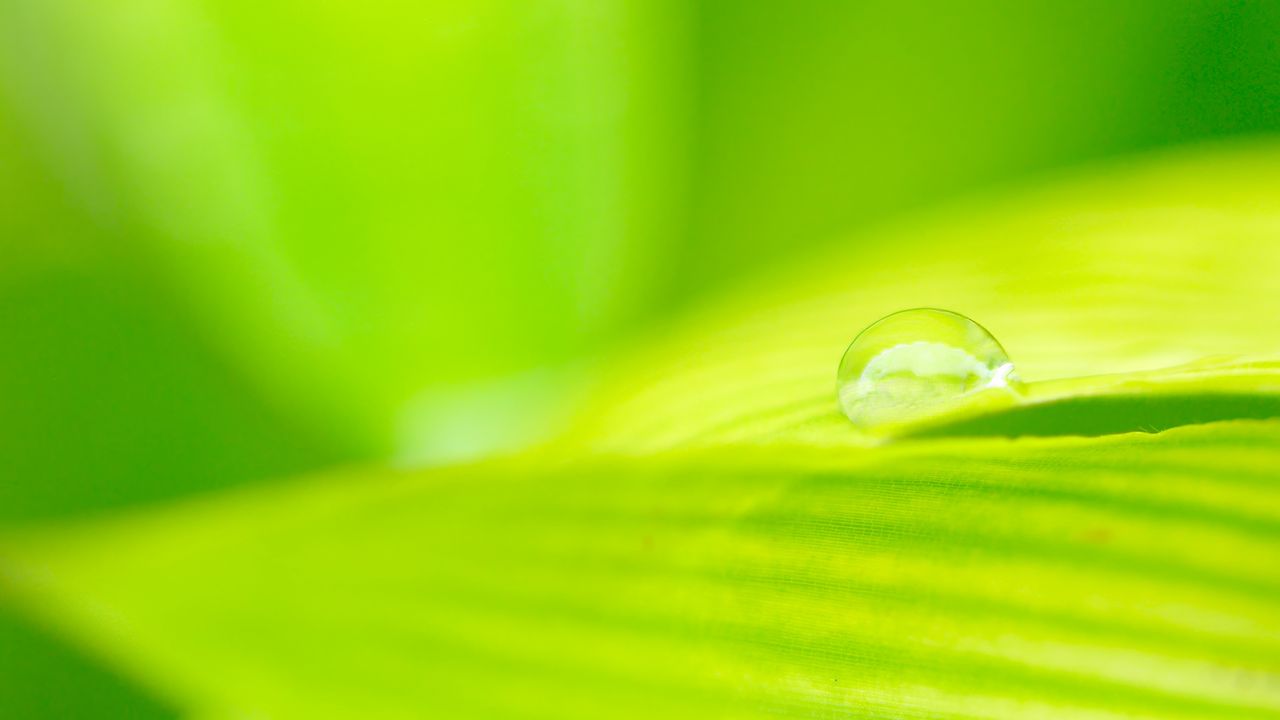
{"x": 1130, "y": 575}
{"x": 713, "y": 539}
{"x": 1147, "y": 274}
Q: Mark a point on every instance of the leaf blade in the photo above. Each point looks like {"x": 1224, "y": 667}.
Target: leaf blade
{"x": 959, "y": 570}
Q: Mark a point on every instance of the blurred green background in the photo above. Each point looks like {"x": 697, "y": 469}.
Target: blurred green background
{"x": 242, "y": 240}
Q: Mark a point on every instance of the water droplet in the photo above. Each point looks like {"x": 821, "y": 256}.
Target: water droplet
{"x": 916, "y": 363}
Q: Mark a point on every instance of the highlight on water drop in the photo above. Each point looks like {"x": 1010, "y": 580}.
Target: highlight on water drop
{"x": 919, "y": 362}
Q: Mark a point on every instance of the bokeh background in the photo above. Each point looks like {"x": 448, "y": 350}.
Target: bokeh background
{"x": 246, "y": 240}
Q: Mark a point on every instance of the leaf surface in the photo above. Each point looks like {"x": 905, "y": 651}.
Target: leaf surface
{"x": 713, "y": 539}
{"x": 1129, "y": 576}
{"x": 1155, "y": 275}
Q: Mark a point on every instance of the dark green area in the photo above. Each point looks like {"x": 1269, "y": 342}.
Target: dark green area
{"x": 112, "y": 393}
{"x": 41, "y": 677}
{"x": 110, "y": 399}
{"x": 1103, "y": 415}
{"x": 826, "y": 116}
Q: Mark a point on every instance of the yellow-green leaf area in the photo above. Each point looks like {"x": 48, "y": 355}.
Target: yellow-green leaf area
{"x": 1129, "y": 576}
{"x": 1133, "y": 273}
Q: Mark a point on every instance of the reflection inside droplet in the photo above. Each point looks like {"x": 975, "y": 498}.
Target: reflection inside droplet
{"x": 919, "y": 362}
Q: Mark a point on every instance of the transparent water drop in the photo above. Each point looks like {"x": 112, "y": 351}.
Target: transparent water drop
{"x": 916, "y": 363}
